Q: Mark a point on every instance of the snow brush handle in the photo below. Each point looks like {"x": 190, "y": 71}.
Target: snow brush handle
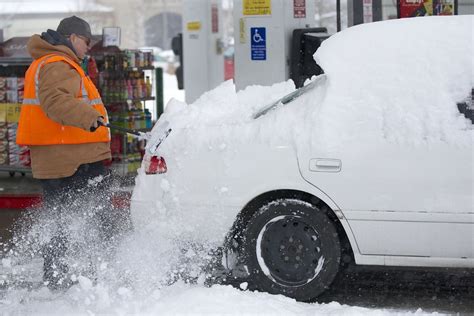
{"x": 120, "y": 128}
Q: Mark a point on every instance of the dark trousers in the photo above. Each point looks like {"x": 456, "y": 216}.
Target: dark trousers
{"x": 85, "y": 192}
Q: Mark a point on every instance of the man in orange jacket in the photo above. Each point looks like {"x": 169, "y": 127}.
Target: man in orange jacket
{"x": 59, "y": 122}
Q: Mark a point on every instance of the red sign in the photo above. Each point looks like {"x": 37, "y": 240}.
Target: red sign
{"x": 214, "y": 18}
{"x": 412, "y": 8}
{"x": 299, "y": 9}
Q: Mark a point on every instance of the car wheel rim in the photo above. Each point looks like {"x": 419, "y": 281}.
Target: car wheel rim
{"x": 289, "y": 251}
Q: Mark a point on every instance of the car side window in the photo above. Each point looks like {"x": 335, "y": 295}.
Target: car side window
{"x": 466, "y": 107}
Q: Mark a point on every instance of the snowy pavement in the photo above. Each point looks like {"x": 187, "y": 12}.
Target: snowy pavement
{"x": 359, "y": 292}
{"x": 177, "y": 299}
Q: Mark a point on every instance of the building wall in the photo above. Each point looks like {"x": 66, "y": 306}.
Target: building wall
{"x": 27, "y": 25}
{"x": 131, "y": 17}
{"x": 27, "y": 17}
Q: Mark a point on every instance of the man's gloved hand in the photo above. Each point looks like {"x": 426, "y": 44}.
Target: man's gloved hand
{"x": 100, "y": 122}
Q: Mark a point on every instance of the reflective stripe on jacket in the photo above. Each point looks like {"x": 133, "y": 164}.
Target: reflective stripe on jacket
{"x": 35, "y": 128}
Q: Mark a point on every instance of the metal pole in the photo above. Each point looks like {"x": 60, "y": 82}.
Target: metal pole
{"x": 338, "y": 12}
{"x": 159, "y": 92}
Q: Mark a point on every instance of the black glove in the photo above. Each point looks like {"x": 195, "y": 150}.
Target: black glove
{"x": 100, "y": 122}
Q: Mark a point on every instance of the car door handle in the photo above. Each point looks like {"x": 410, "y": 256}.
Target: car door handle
{"x": 325, "y": 165}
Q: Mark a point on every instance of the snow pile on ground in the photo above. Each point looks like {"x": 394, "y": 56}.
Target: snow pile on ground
{"x": 178, "y": 299}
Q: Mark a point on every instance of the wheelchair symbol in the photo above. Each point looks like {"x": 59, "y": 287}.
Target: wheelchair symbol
{"x": 257, "y": 38}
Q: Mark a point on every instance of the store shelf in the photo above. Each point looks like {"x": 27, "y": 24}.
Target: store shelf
{"x": 106, "y": 101}
{"x": 19, "y": 169}
{"x": 125, "y": 90}
{"x": 139, "y": 68}
{"x": 15, "y": 61}
{"x": 143, "y": 99}
{"x": 119, "y": 71}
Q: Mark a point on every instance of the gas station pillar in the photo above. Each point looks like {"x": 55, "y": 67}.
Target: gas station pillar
{"x": 203, "y": 68}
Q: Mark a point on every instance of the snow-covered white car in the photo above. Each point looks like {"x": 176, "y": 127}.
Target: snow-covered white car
{"x": 373, "y": 161}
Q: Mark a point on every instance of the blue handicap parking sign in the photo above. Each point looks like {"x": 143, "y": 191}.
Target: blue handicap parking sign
{"x": 258, "y": 45}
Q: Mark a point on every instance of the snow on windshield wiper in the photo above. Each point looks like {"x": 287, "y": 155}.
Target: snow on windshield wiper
{"x": 290, "y": 97}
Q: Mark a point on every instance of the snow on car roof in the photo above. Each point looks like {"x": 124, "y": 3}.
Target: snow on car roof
{"x": 399, "y": 80}
{"x": 395, "y": 81}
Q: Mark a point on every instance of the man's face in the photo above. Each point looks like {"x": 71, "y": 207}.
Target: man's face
{"x": 80, "y": 44}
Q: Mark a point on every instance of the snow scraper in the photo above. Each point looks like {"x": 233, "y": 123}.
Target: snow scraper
{"x": 164, "y": 131}
{"x": 139, "y": 134}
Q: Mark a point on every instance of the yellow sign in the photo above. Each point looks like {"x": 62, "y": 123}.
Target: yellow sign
{"x": 9, "y": 112}
{"x": 13, "y": 112}
{"x": 242, "y": 30}
{"x": 257, "y": 7}
{"x": 194, "y": 26}
{"x": 3, "y": 113}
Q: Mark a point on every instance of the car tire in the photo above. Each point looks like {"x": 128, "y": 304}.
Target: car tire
{"x": 291, "y": 248}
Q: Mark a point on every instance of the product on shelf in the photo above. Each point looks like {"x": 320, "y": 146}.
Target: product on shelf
{"x": 10, "y": 152}
{"x": 128, "y": 59}
{"x": 18, "y": 155}
{"x": 124, "y": 87}
{"x": 3, "y": 145}
{"x": 11, "y": 97}
{"x": 11, "y": 89}
{"x": 148, "y": 122}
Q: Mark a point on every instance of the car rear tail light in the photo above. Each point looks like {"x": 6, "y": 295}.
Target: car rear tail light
{"x": 156, "y": 165}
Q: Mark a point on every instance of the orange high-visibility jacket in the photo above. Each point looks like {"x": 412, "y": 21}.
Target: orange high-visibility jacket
{"x": 35, "y": 128}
